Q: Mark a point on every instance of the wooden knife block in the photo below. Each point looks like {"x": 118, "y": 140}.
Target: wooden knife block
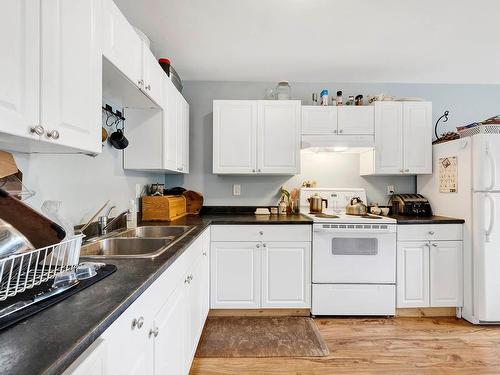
{"x": 165, "y": 208}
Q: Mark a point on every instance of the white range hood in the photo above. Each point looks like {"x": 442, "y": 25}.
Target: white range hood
{"x": 322, "y": 141}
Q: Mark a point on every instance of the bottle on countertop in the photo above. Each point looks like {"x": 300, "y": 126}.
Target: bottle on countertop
{"x": 324, "y": 97}
{"x": 339, "y": 98}
{"x": 131, "y": 215}
{"x": 282, "y": 207}
{"x": 314, "y": 98}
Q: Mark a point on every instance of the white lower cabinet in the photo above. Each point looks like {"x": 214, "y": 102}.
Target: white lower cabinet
{"x": 159, "y": 332}
{"x": 286, "y": 274}
{"x": 429, "y": 273}
{"x": 260, "y": 273}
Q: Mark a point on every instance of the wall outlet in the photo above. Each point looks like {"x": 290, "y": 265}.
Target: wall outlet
{"x": 236, "y": 189}
{"x": 390, "y": 189}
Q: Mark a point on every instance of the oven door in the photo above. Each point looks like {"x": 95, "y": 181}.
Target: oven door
{"x": 354, "y": 256}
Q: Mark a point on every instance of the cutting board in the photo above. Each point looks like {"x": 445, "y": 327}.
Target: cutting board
{"x": 194, "y": 202}
{"x": 38, "y": 229}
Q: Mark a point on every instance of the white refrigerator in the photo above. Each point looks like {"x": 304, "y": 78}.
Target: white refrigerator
{"x": 477, "y": 200}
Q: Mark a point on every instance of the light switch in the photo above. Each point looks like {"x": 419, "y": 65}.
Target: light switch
{"x": 236, "y": 189}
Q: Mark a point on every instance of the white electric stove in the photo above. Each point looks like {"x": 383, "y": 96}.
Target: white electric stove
{"x": 354, "y": 257}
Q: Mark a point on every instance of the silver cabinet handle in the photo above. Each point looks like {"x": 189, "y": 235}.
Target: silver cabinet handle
{"x": 140, "y": 82}
{"x": 257, "y": 246}
{"x": 205, "y": 253}
{"x": 402, "y": 170}
{"x": 188, "y": 279}
{"x": 54, "y": 134}
{"x": 253, "y": 170}
{"x": 261, "y": 232}
{"x": 138, "y": 323}
{"x": 38, "y": 130}
{"x": 335, "y": 131}
{"x": 154, "y": 332}
{"x": 434, "y": 245}
{"x": 431, "y": 232}
{"x": 427, "y": 245}
{"x": 148, "y": 87}
{"x": 258, "y": 170}
{"x": 264, "y": 245}
{"x": 341, "y": 131}
{"x": 407, "y": 170}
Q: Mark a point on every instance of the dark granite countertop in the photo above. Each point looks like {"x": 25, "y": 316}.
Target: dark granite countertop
{"x": 410, "y": 220}
{"x": 48, "y": 342}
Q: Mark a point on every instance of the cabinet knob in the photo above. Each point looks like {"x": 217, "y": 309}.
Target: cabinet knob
{"x": 54, "y": 134}
{"x": 258, "y": 170}
{"x": 335, "y": 131}
{"x": 140, "y": 82}
{"x": 38, "y": 130}
{"x": 402, "y": 170}
{"x": 407, "y": 170}
{"x": 138, "y": 323}
{"x": 154, "y": 332}
{"x": 434, "y": 245}
{"x": 257, "y": 246}
{"x": 341, "y": 131}
{"x": 204, "y": 253}
{"x": 261, "y": 232}
{"x": 431, "y": 232}
{"x": 148, "y": 87}
{"x": 253, "y": 170}
{"x": 264, "y": 245}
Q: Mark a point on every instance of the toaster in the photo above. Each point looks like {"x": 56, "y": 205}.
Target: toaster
{"x": 411, "y": 204}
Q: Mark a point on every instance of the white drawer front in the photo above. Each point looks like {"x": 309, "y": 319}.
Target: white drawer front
{"x": 353, "y": 299}
{"x": 431, "y": 232}
{"x": 254, "y": 233}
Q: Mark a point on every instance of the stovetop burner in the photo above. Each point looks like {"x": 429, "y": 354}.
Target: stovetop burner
{"x": 366, "y": 216}
{"x": 326, "y": 216}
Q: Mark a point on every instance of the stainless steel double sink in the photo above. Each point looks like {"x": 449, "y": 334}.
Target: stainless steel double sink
{"x": 140, "y": 242}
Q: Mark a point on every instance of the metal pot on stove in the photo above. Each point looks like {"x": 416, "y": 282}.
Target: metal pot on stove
{"x": 316, "y": 204}
{"x": 356, "y": 207}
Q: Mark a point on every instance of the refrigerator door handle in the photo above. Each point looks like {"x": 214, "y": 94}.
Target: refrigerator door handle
{"x": 492, "y": 217}
{"x": 491, "y": 159}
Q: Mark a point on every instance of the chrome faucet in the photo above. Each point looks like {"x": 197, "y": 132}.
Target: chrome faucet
{"x": 103, "y": 223}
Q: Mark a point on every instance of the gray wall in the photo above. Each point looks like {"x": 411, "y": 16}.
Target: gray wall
{"x": 466, "y": 103}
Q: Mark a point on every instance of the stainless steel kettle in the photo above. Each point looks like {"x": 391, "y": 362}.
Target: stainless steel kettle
{"x": 356, "y": 207}
{"x": 316, "y": 204}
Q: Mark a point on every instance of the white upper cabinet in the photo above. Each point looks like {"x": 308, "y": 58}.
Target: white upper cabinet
{"x": 355, "y": 120}
{"x": 403, "y": 140}
{"x": 152, "y": 75}
{"x": 278, "y": 137}
{"x": 72, "y": 73}
{"x": 319, "y": 119}
{"x": 171, "y": 119}
{"x": 256, "y": 137}
{"x": 417, "y": 138}
{"x": 182, "y": 134}
{"x": 235, "y": 136}
{"x": 51, "y": 92}
{"x": 19, "y": 67}
{"x": 121, "y": 44}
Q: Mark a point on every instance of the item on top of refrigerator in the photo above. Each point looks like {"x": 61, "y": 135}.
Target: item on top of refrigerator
{"x": 314, "y": 98}
{"x": 350, "y": 101}
{"x": 324, "y": 97}
{"x": 283, "y": 91}
{"x": 358, "y": 100}
{"x": 339, "y": 98}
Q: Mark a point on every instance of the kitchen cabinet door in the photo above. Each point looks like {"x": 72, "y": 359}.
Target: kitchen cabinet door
{"x": 193, "y": 309}
{"x": 171, "y": 117}
{"x": 278, "y": 137}
{"x": 205, "y": 277}
{"x": 121, "y": 44}
{"x": 413, "y": 274}
{"x": 286, "y": 275}
{"x": 355, "y": 120}
{"x": 235, "y": 275}
{"x": 446, "y": 285}
{"x": 319, "y": 120}
{"x": 388, "y": 138}
{"x": 71, "y": 71}
{"x": 417, "y": 138}
{"x": 152, "y": 75}
{"x": 183, "y": 129}
{"x": 19, "y": 71}
{"x": 171, "y": 342}
{"x": 234, "y": 136}
{"x": 91, "y": 362}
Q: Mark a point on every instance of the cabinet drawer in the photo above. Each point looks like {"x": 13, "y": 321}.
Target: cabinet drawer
{"x": 256, "y": 233}
{"x": 430, "y": 232}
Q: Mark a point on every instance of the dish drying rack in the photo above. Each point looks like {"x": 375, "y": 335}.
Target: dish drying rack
{"x": 20, "y": 272}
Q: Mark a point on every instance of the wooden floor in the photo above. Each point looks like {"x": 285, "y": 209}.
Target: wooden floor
{"x": 381, "y": 346}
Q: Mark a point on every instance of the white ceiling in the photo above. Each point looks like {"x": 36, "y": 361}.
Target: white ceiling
{"x": 417, "y": 41}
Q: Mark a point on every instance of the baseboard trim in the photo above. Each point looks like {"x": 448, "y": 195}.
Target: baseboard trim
{"x": 426, "y": 312}
{"x": 259, "y": 312}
